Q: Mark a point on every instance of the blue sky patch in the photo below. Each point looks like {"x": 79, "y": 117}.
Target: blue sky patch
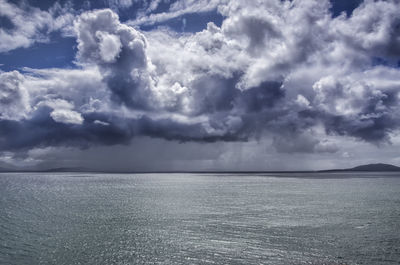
{"x": 59, "y": 52}
{"x": 6, "y": 23}
{"x": 347, "y": 6}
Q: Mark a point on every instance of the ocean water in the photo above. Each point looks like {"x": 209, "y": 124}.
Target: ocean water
{"x": 75, "y": 218}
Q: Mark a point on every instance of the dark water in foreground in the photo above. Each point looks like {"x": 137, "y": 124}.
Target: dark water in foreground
{"x": 199, "y": 219}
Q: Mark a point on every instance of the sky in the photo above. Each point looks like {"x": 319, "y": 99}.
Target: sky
{"x": 185, "y": 85}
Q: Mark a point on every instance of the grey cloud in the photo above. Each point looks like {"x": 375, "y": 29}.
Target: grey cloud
{"x": 371, "y": 129}
{"x": 375, "y": 28}
{"x": 14, "y": 98}
{"x": 302, "y": 142}
{"x": 287, "y": 73}
{"x": 361, "y": 105}
{"x": 44, "y": 128}
{"x": 120, "y": 53}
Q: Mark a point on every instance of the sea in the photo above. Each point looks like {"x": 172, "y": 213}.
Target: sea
{"x": 193, "y": 218}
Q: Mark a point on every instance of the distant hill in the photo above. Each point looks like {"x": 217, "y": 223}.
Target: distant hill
{"x": 380, "y": 167}
{"x": 369, "y": 167}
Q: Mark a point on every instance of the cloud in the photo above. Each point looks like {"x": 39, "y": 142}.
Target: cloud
{"x": 62, "y": 111}
{"x": 119, "y": 52}
{"x": 375, "y": 28}
{"x": 14, "y": 98}
{"x": 360, "y": 104}
{"x": 110, "y": 46}
{"x": 66, "y": 116}
{"x": 303, "y": 142}
{"x": 285, "y": 69}
{"x": 119, "y": 4}
{"x": 177, "y": 9}
{"x": 28, "y": 25}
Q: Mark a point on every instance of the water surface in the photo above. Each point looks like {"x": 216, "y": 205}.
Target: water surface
{"x": 74, "y": 218}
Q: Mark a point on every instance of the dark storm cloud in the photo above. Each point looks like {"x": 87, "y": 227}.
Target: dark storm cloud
{"x": 98, "y": 129}
{"x": 264, "y": 96}
{"x": 288, "y": 69}
{"x": 41, "y": 131}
